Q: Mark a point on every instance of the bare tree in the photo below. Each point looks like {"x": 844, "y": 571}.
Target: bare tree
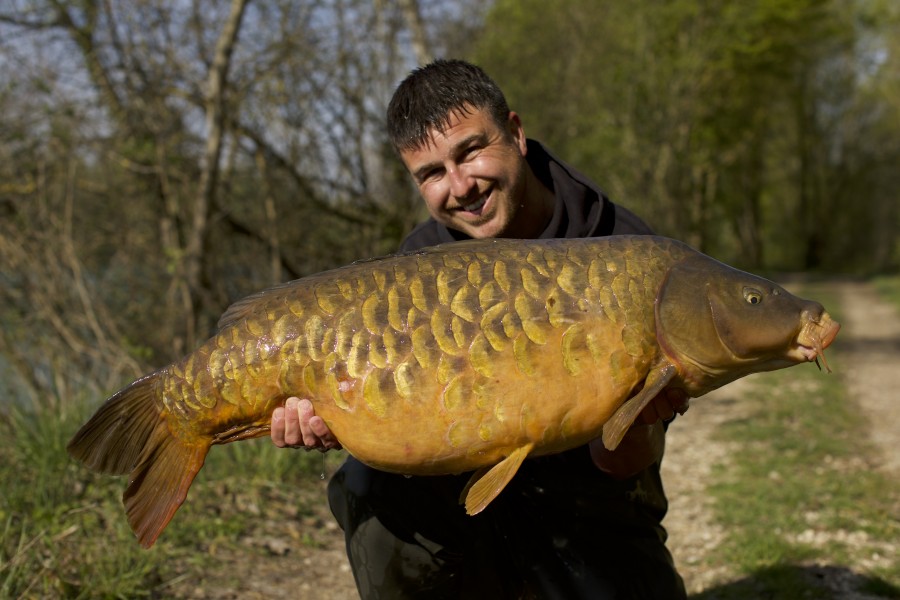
{"x": 215, "y": 106}
{"x": 170, "y": 151}
{"x": 413, "y": 18}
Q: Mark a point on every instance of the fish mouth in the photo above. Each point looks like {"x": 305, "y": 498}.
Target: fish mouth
{"x": 816, "y": 335}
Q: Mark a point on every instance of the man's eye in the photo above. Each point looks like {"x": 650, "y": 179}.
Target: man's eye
{"x": 429, "y": 175}
{"x": 471, "y": 152}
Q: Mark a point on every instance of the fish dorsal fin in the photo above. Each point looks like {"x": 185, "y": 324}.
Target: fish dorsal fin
{"x": 486, "y": 484}
{"x": 247, "y": 306}
{"x": 614, "y": 429}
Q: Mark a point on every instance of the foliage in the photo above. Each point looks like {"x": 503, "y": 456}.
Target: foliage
{"x": 63, "y": 531}
{"x": 57, "y": 526}
{"x": 889, "y": 287}
{"x": 156, "y": 164}
{"x": 747, "y": 129}
{"x": 155, "y": 168}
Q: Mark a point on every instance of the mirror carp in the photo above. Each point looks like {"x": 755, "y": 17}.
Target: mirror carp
{"x": 469, "y": 356}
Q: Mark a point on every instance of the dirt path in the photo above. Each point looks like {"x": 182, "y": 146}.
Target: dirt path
{"x": 306, "y": 560}
{"x": 869, "y": 343}
{"x": 870, "y": 339}
{"x": 691, "y": 453}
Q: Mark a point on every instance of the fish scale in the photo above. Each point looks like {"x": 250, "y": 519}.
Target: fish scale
{"x": 464, "y": 357}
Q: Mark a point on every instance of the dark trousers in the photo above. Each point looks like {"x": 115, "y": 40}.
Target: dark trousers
{"x": 409, "y": 538}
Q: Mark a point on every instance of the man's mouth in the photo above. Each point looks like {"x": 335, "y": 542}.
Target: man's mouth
{"x": 476, "y": 205}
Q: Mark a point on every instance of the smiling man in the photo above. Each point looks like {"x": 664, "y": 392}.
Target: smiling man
{"x": 473, "y": 179}
{"x": 581, "y": 524}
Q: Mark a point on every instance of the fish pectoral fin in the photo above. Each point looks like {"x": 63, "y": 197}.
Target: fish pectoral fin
{"x": 472, "y": 480}
{"x": 487, "y": 483}
{"x": 614, "y": 429}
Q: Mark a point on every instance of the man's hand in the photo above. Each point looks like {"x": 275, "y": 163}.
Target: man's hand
{"x": 296, "y": 426}
{"x": 664, "y": 407}
{"x": 645, "y": 441}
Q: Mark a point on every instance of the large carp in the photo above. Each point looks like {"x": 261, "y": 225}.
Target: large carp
{"x": 468, "y": 356}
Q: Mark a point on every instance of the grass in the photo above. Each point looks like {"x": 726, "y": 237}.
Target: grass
{"x": 63, "y": 532}
{"x": 889, "y": 288}
{"x": 799, "y": 497}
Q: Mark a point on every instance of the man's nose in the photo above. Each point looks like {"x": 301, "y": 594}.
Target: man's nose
{"x": 460, "y": 182}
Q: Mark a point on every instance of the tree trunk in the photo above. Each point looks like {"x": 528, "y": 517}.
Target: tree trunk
{"x": 216, "y": 92}
{"x": 413, "y": 18}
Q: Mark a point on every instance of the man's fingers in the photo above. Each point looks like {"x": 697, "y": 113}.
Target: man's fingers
{"x": 320, "y": 428}
{"x": 664, "y": 407}
{"x": 304, "y": 413}
{"x": 681, "y": 402}
{"x": 292, "y": 433}
{"x": 277, "y": 428}
{"x": 296, "y": 425}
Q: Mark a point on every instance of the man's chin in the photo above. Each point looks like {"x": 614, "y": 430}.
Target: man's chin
{"x": 485, "y": 228}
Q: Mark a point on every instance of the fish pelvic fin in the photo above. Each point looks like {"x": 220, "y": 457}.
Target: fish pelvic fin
{"x": 486, "y": 484}
{"x": 617, "y": 425}
{"x": 129, "y": 435}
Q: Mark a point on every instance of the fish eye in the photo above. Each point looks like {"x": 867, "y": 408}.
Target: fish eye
{"x": 752, "y": 296}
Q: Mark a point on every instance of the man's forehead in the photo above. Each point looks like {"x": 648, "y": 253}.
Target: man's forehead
{"x": 444, "y": 130}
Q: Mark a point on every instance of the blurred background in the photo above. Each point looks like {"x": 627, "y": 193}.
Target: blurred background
{"x": 159, "y": 160}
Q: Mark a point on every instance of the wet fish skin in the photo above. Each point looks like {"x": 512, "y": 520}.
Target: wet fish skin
{"x": 455, "y": 358}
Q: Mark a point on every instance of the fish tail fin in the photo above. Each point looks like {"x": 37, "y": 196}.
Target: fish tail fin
{"x": 159, "y": 484}
{"x": 129, "y": 435}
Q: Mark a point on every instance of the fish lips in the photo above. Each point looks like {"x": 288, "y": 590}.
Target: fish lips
{"x": 814, "y": 337}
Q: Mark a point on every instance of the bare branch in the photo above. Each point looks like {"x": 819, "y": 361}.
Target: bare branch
{"x": 413, "y": 19}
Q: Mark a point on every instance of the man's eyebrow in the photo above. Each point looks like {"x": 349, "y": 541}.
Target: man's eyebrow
{"x": 464, "y": 143}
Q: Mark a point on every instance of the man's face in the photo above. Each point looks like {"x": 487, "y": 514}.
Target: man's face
{"x": 472, "y": 175}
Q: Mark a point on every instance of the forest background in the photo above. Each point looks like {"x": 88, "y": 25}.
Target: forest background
{"x": 160, "y": 160}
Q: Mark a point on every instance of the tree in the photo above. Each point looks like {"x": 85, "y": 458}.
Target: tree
{"x": 199, "y": 152}
{"x": 724, "y": 124}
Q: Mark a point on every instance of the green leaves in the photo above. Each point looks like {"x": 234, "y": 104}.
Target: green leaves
{"x": 740, "y": 127}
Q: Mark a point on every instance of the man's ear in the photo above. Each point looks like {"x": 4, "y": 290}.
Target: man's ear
{"x": 515, "y": 129}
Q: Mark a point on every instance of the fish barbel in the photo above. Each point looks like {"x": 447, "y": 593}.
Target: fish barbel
{"x": 468, "y": 356}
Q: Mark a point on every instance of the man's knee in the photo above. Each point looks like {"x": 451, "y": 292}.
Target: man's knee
{"x": 385, "y": 550}
{"x": 348, "y": 490}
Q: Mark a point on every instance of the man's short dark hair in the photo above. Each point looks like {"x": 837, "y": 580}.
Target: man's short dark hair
{"x": 430, "y": 95}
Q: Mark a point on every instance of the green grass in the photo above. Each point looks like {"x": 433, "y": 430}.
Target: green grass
{"x": 889, "y": 287}
{"x": 63, "y": 532}
{"x": 799, "y": 492}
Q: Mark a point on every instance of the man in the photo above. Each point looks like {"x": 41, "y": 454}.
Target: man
{"x": 581, "y": 524}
